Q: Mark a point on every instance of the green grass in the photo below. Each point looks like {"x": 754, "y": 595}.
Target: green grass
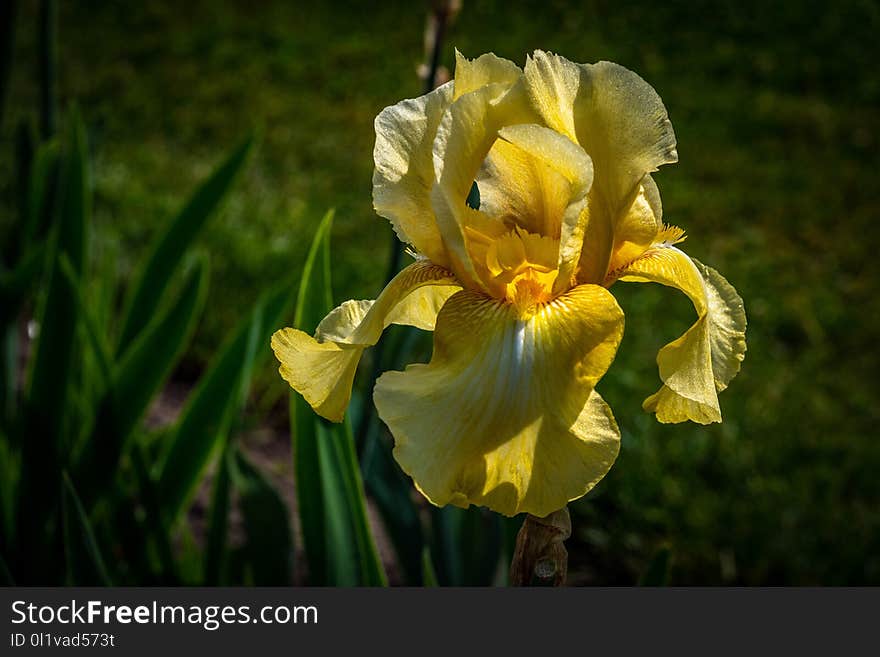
{"x": 775, "y": 112}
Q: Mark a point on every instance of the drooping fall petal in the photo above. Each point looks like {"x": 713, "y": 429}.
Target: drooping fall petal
{"x": 322, "y": 368}
{"x": 505, "y": 414}
{"x": 699, "y": 364}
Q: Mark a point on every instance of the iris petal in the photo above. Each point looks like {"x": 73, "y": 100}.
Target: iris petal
{"x": 466, "y": 133}
{"x": 404, "y": 172}
{"x": 701, "y": 363}
{"x": 322, "y": 368}
{"x": 505, "y": 414}
{"x": 620, "y": 122}
{"x": 639, "y": 226}
{"x": 471, "y": 74}
{"x": 568, "y": 160}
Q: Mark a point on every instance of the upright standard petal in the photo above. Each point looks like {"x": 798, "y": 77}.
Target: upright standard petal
{"x": 701, "y": 363}
{"x": 566, "y": 159}
{"x": 466, "y": 133}
{"x": 622, "y": 124}
{"x": 471, "y": 74}
{"x": 638, "y": 228}
{"x": 322, "y": 368}
{"x": 505, "y": 414}
{"x": 404, "y": 172}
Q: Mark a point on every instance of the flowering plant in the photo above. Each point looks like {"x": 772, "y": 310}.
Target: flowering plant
{"x": 525, "y": 194}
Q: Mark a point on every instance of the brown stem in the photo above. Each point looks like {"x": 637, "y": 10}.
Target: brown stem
{"x": 540, "y": 557}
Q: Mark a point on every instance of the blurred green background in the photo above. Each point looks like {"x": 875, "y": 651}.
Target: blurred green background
{"x": 775, "y": 106}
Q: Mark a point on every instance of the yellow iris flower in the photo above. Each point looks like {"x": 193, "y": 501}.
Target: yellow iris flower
{"x": 506, "y": 414}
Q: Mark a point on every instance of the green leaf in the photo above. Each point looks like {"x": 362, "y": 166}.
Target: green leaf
{"x": 137, "y": 379}
{"x": 269, "y": 547}
{"x": 466, "y": 545}
{"x": 171, "y": 245}
{"x": 657, "y": 573}
{"x": 205, "y": 421}
{"x": 46, "y": 404}
{"x": 155, "y": 520}
{"x": 429, "y": 576}
{"x": 40, "y": 187}
{"x": 391, "y": 489}
{"x": 312, "y": 299}
{"x": 96, "y": 337}
{"x": 79, "y": 539}
{"x": 52, "y": 361}
{"x": 149, "y": 361}
{"x": 15, "y": 286}
{"x": 339, "y": 546}
{"x": 216, "y": 547}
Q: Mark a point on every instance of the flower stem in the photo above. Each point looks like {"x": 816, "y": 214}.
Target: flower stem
{"x": 540, "y": 557}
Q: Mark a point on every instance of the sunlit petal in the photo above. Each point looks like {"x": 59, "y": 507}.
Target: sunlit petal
{"x": 699, "y": 364}
{"x": 505, "y": 414}
{"x": 471, "y": 75}
{"x": 621, "y": 123}
{"x": 464, "y": 138}
{"x": 554, "y": 86}
{"x": 639, "y": 226}
{"x": 558, "y": 209}
{"x": 404, "y": 172}
{"x": 322, "y": 368}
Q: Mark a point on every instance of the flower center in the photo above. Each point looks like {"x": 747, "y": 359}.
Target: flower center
{"x": 523, "y": 267}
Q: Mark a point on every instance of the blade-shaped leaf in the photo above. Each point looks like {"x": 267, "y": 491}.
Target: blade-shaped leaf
{"x": 137, "y": 379}
{"x": 392, "y": 492}
{"x": 154, "y": 519}
{"x": 15, "y": 286}
{"x": 219, "y": 395}
{"x": 37, "y": 183}
{"x": 40, "y": 193}
{"x": 46, "y": 403}
{"x": 339, "y": 545}
{"x": 81, "y": 548}
{"x": 151, "y": 358}
{"x": 429, "y": 575}
{"x": 171, "y": 245}
{"x": 269, "y": 547}
{"x": 312, "y": 298}
{"x": 96, "y": 338}
{"x": 59, "y": 316}
{"x": 389, "y": 487}
{"x": 466, "y": 545}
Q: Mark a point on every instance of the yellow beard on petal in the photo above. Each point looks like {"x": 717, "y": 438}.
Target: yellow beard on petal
{"x": 523, "y": 269}
{"x": 531, "y": 290}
